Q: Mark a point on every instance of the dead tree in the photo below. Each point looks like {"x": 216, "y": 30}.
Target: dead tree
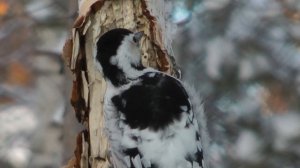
{"x": 95, "y": 18}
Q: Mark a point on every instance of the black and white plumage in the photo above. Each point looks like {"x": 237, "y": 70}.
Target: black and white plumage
{"x": 150, "y": 120}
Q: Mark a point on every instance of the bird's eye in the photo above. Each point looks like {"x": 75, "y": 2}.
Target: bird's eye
{"x": 135, "y": 39}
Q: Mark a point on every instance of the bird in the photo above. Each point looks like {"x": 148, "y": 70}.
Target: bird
{"x": 150, "y": 120}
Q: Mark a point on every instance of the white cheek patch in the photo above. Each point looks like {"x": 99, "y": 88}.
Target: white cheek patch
{"x": 184, "y": 108}
{"x": 114, "y": 60}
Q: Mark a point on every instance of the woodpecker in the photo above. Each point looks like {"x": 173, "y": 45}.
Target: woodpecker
{"x": 150, "y": 119}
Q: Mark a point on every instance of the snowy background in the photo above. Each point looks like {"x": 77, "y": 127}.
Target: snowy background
{"x": 34, "y": 88}
{"x": 242, "y": 55}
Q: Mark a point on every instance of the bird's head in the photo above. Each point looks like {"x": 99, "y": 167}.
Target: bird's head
{"x": 118, "y": 54}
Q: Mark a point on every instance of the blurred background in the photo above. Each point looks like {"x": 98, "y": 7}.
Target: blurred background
{"x": 242, "y": 55}
{"x": 34, "y": 86}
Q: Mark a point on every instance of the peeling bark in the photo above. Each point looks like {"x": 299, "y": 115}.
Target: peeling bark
{"x": 95, "y": 18}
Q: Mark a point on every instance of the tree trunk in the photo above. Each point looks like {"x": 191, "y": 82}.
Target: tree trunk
{"x": 95, "y": 18}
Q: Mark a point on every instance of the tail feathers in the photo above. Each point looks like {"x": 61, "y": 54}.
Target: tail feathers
{"x": 134, "y": 159}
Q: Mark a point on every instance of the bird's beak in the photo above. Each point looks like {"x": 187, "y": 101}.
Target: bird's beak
{"x": 138, "y": 36}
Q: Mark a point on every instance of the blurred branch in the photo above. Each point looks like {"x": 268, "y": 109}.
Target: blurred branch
{"x": 53, "y": 55}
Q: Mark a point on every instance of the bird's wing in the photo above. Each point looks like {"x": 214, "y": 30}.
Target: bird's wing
{"x": 155, "y": 102}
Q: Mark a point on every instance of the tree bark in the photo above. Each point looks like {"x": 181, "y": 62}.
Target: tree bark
{"x": 95, "y": 18}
